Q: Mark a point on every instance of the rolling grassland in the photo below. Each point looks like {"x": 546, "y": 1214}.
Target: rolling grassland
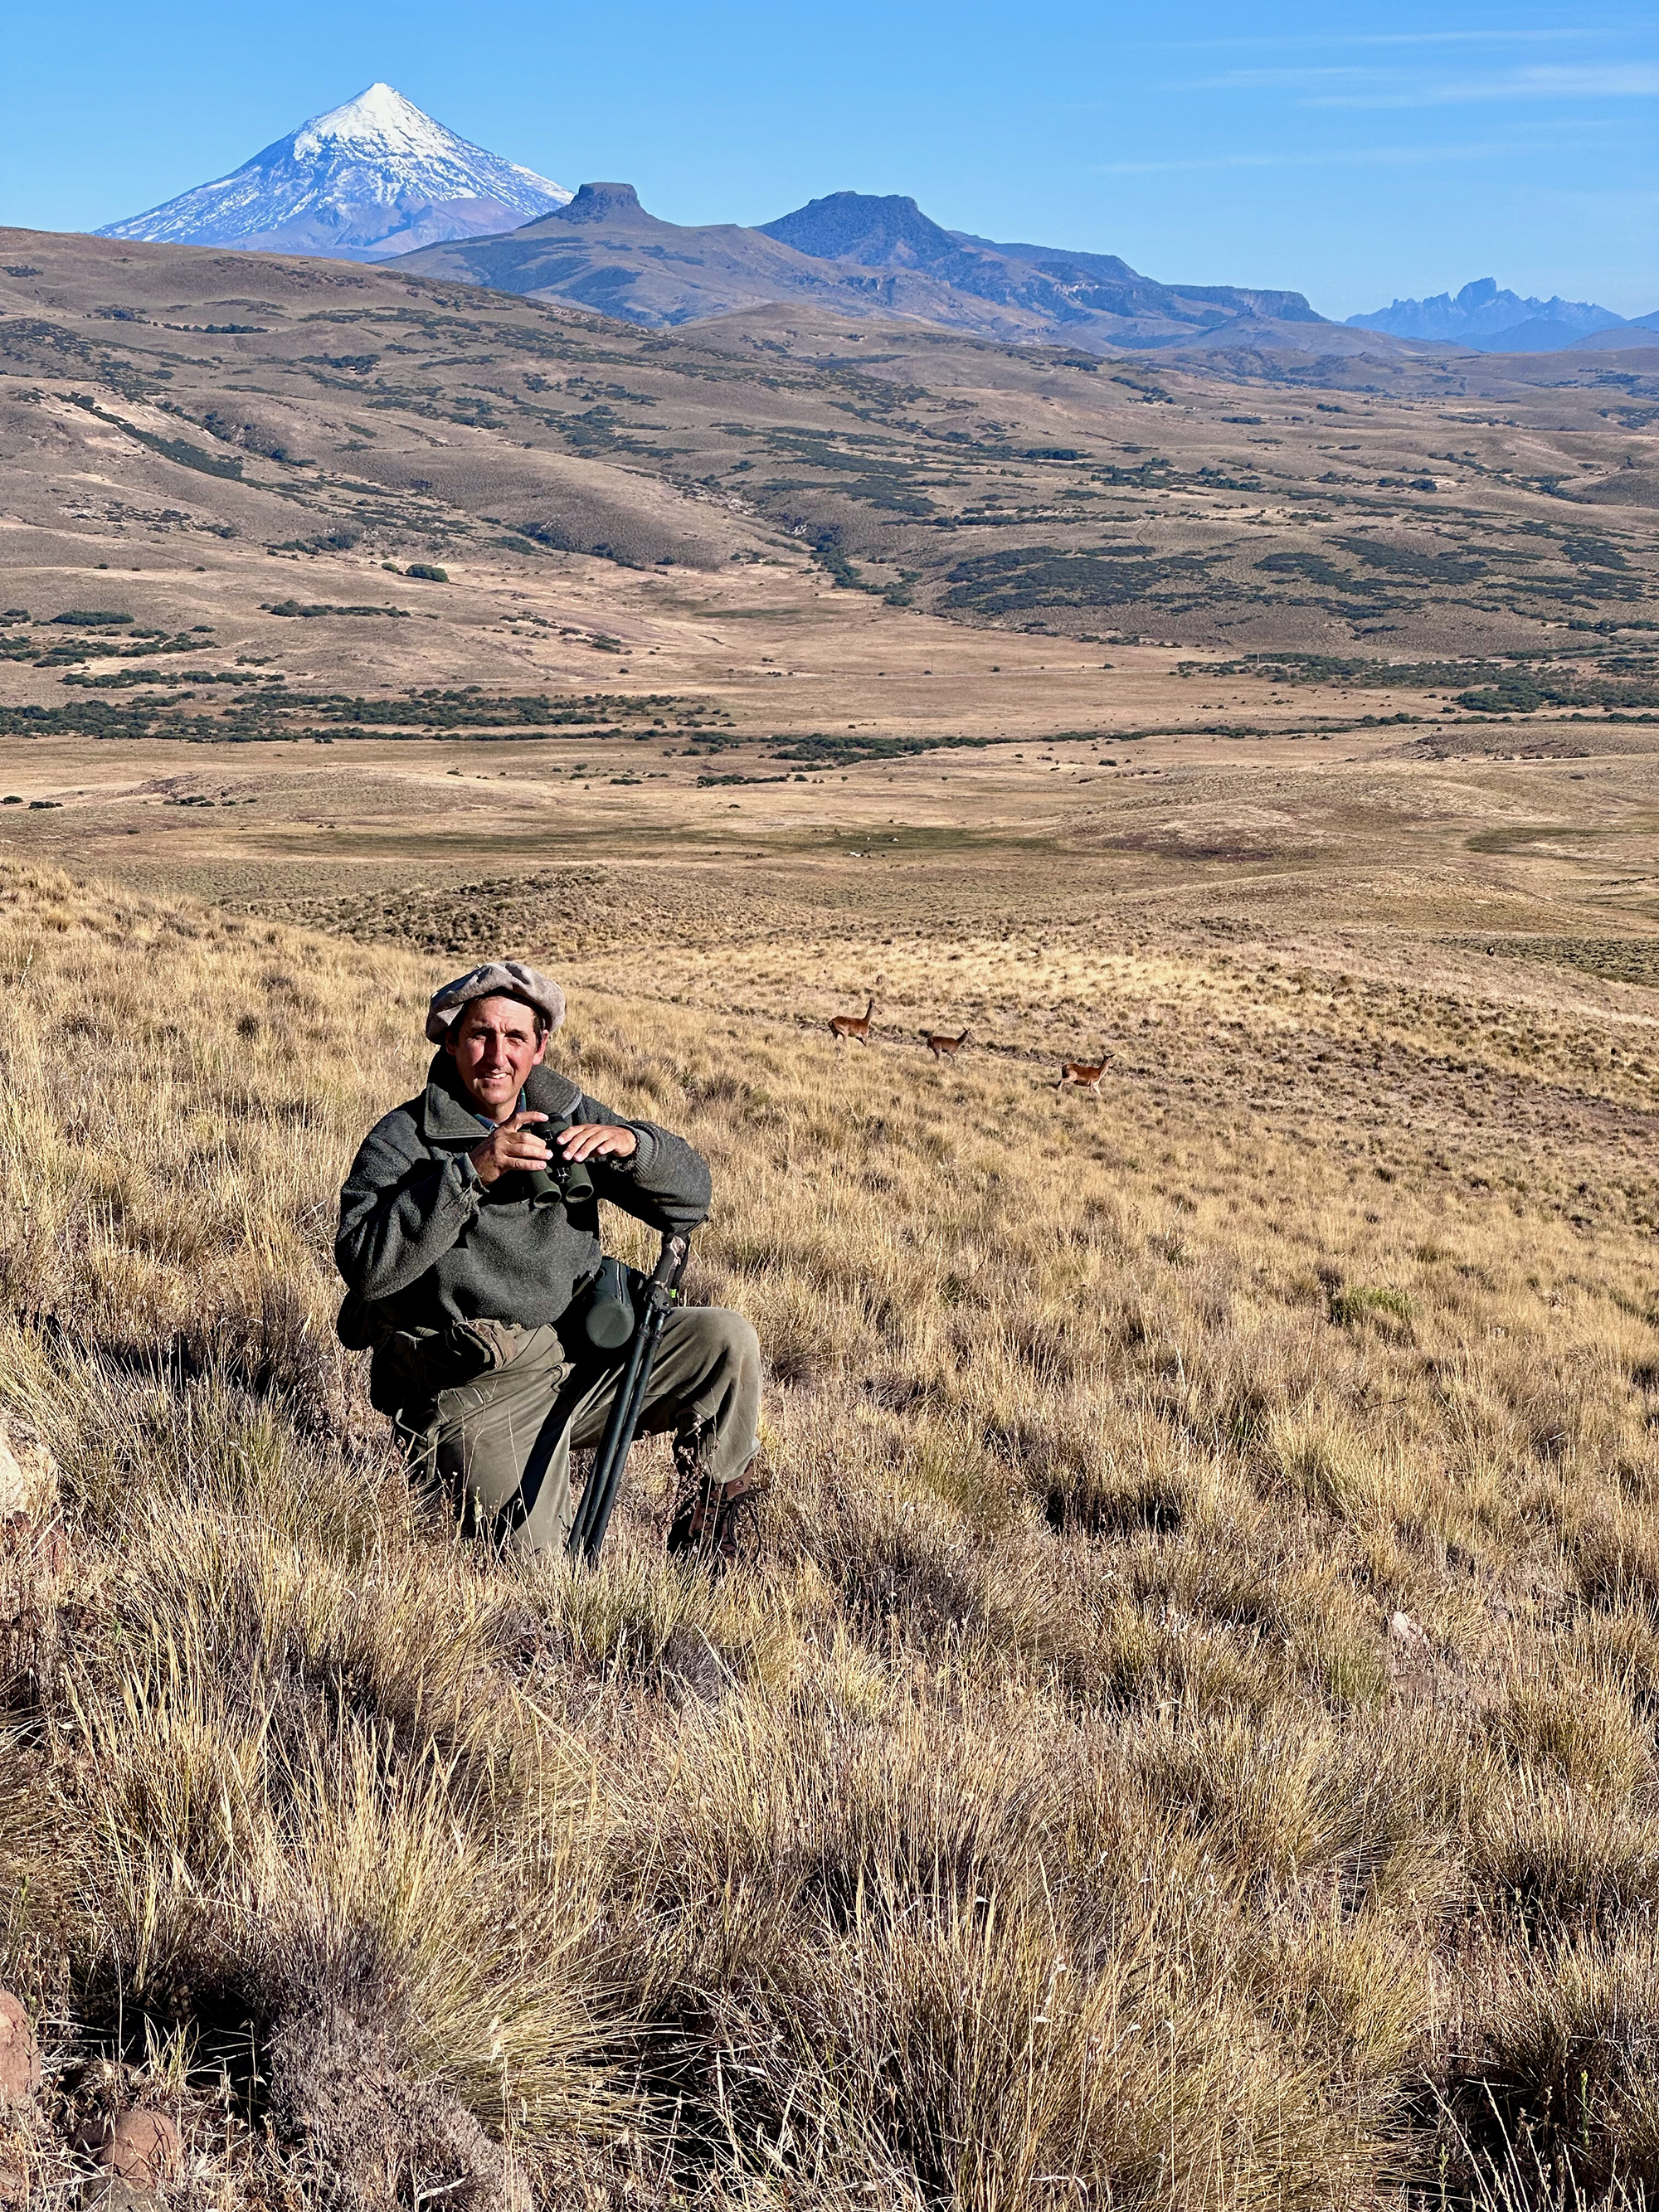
{"x": 1188, "y": 1739}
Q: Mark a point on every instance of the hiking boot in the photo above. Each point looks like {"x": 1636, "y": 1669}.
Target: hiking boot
{"x": 719, "y": 1526}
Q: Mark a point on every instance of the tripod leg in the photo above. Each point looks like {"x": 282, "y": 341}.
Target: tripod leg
{"x": 628, "y": 1424}
{"x": 604, "y": 1458}
{"x": 604, "y": 1484}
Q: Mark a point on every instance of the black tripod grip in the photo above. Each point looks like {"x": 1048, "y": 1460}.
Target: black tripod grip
{"x": 604, "y": 1484}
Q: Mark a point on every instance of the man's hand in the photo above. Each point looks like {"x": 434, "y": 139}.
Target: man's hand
{"x": 597, "y": 1140}
{"x": 514, "y": 1144}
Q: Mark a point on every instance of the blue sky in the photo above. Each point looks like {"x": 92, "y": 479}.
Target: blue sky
{"x": 1352, "y": 153}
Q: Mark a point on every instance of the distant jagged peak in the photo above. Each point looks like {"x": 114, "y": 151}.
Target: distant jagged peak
{"x": 1476, "y": 294}
{"x": 1481, "y": 313}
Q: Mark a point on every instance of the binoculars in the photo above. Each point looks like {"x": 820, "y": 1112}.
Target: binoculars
{"x": 561, "y": 1181}
{"x": 608, "y": 1312}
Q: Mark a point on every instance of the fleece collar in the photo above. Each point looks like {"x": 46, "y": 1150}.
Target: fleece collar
{"x": 448, "y": 1115}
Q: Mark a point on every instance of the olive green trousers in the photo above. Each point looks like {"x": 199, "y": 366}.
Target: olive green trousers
{"x": 501, "y": 1445}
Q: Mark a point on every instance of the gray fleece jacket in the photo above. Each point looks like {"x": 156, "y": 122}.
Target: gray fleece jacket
{"x": 424, "y": 1246}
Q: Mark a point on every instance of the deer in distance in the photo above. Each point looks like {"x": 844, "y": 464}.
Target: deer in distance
{"x": 853, "y": 1025}
{"x": 944, "y": 1047}
{"x": 1084, "y": 1074}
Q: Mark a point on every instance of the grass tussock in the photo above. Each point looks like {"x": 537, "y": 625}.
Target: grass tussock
{"x": 1188, "y": 1739}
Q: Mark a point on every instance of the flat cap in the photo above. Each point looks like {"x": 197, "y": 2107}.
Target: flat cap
{"x": 496, "y": 979}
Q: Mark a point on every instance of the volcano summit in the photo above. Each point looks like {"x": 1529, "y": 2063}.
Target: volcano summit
{"x": 370, "y": 179}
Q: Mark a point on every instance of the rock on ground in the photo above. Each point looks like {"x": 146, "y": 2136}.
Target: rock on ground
{"x": 140, "y": 2148}
{"x": 19, "y": 2054}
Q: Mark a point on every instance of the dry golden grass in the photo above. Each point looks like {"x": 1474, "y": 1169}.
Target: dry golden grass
{"x": 1189, "y": 1741}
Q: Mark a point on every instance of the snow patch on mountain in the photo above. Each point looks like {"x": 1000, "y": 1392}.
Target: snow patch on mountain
{"x": 368, "y": 179}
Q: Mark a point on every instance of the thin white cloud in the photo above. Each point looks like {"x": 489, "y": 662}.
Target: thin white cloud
{"x": 1293, "y": 77}
{"x": 1624, "y": 80}
{"x": 1290, "y": 43}
{"x": 1341, "y": 157}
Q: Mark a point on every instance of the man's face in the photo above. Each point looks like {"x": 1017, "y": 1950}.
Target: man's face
{"x": 494, "y": 1045}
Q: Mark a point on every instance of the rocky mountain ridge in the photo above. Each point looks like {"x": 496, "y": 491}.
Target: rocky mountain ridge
{"x": 864, "y": 256}
{"x": 1494, "y": 321}
{"x": 860, "y": 230}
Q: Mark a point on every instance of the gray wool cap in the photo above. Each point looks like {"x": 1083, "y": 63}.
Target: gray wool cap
{"x": 496, "y": 979}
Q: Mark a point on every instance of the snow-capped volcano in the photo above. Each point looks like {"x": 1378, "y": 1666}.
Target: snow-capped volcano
{"x": 365, "y": 181}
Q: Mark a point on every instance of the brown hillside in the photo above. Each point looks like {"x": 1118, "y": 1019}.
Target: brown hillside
{"x": 220, "y": 432}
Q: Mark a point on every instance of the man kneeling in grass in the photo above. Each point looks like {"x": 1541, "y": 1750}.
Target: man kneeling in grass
{"x": 471, "y": 1277}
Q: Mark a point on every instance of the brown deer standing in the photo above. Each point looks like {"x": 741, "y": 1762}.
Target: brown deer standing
{"x": 943, "y": 1048}
{"x": 853, "y": 1025}
{"x": 1085, "y": 1073}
